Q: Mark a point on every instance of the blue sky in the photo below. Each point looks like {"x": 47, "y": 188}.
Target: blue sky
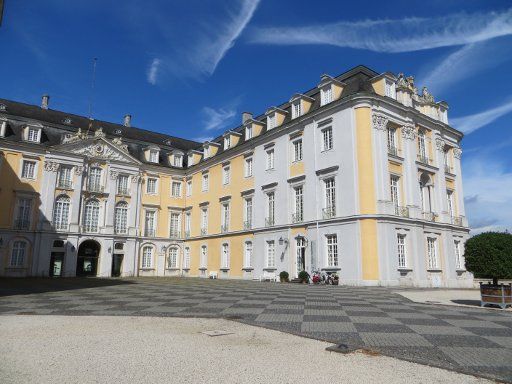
{"x": 189, "y": 68}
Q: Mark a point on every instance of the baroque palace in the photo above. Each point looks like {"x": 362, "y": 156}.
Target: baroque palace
{"x": 360, "y": 175}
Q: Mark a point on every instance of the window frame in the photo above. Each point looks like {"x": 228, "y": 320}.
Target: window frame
{"x": 33, "y": 176}
{"x": 332, "y": 250}
{"x": 327, "y": 139}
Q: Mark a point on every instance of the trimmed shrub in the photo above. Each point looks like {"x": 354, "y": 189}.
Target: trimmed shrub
{"x": 284, "y": 276}
{"x": 304, "y": 276}
{"x": 489, "y": 255}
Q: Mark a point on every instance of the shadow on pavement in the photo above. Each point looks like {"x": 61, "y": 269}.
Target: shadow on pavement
{"x": 25, "y": 286}
{"x": 475, "y": 303}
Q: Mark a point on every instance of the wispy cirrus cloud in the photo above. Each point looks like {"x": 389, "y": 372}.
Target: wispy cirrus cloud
{"x": 471, "y": 123}
{"x": 153, "y": 71}
{"x": 402, "y": 35}
{"x": 217, "y": 118}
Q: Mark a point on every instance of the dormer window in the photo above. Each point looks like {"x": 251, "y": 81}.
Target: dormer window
{"x": 248, "y": 132}
{"x": 3, "y": 128}
{"x": 390, "y": 89}
{"x": 206, "y": 152}
{"x": 271, "y": 121}
{"x": 33, "y": 134}
{"x": 153, "y": 156}
{"x": 296, "y": 109}
{"x": 3, "y": 107}
{"x": 227, "y": 142}
{"x": 326, "y": 95}
{"x": 178, "y": 160}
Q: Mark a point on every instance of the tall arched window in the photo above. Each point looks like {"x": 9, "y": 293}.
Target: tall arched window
{"x": 61, "y": 213}
{"x": 173, "y": 257}
{"x": 225, "y": 256}
{"x": 203, "y": 262}
{"x": 18, "y": 253}
{"x": 147, "y": 257}
{"x": 248, "y": 254}
{"x": 121, "y": 218}
{"x": 186, "y": 258}
{"x": 94, "y": 180}
{"x": 91, "y": 216}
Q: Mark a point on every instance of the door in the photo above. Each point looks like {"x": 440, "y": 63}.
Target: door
{"x": 300, "y": 255}
{"x": 87, "y": 259}
{"x": 56, "y": 264}
{"x": 117, "y": 262}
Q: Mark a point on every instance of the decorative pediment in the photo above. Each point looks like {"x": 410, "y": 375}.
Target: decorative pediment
{"x": 99, "y": 148}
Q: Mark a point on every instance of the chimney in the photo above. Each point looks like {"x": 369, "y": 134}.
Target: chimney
{"x": 127, "y": 120}
{"x": 246, "y": 116}
{"x": 45, "y": 100}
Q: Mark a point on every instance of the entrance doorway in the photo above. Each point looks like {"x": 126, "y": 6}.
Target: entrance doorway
{"x": 87, "y": 259}
{"x": 117, "y": 260}
{"x": 56, "y": 263}
{"x": 300, "y": 247}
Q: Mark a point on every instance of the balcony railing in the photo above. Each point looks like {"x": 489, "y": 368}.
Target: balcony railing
{"x": 448, "y": 169}
{"x": 120, "y": 231}
{"x": 423, "y": 159}
{"x": 392, "y": 150}
{"x": 149, "y": 232}
{"x": 429, "y": 216}
{"x": 174, "y": 234}
{"x": 204, "y": 231}
{"x": 224, "y": 228}
{"x": 401, "y": 211}
{"x": 21, "y": 224}
{"x": 269, "y": 221}
{"x": 65, "y": 184}
{"x": 248, "y": 224}
{"x": 297, "y": 217}
{"x": 457, "y": 220}
{"x": 95, "y": 188}
{"x": 329, "y": 212}
{"x": 123, "y": 191}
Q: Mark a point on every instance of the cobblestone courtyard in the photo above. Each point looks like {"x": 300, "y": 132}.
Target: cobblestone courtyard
{"x": 475, "y": 341}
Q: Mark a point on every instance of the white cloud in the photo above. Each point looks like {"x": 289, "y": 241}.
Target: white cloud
{"x": 471, "y": 123}
{"x": 487, "y": 185}
{"x": 153, "y": 71}
{"x": 202, "y": 139}
{"x": 217, "y": 118}
{"x": 403, "y": 35}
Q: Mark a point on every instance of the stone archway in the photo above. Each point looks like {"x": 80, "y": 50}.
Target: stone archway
{"x": 87, "y": 258}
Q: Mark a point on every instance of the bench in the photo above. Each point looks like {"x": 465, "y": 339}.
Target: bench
{"x": 268, "y": 276}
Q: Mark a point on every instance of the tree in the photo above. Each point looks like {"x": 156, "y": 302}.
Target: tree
{"x": 489, "y": 255}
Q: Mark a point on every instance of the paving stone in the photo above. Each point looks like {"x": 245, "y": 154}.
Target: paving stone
{"x": 386, "y": 339}
{"x": 281, "y": 318}
{"x": 328, "y": 326}
{"x": 438, "y": 330}
{"x": 471, "y": 356}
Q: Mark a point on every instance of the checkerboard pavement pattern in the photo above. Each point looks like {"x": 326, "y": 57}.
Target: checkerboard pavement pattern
{"x": 475, "y": 341}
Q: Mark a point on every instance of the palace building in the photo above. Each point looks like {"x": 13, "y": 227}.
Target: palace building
{"x": 361, "y": 175}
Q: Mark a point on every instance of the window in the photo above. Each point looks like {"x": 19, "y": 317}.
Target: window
{"x": 248, "y": 254}
{"x": 173, "y": 258}
{"x": 422, "y": 149}
{"x": 147, "y": 257}
{"x": 225, "y": 256}
{"x": 332, "y": 250}
{"x": 248, "y": 132}
{"x": 330, "y": 198}
{"x": 402, "y": 259}
{"x": 94, "y": 179}
{"x": 64, "y": 179}
{"x": 395, "y": 199}
{"x": 248, "y": 167}
{"x": 248, "y": 213}
{"x": 433, "y": 263}
{"x": 204, "y": 221}
{"x": 270, "y": 159}
{"x": 227, "y": 142}
{"x": 178, "y": 160}
{"x": 174, "y": 225}
{"x": 226, "y": 175}
{"x": 270, "y": 209}
{"x": 460, "y": 263}
{"x": 61, "y": 213}
{"x": 296, "y": 109}
{"x": 150, "y": 223}
{"x": 189, "y": 187}
{"x": 392, "y": 141}
{"x": 33, "y": 135}
{"x": 121, "y": 218}
{"x": 153, "y": 156}
{"x": 24, "y": 213}
{"x": 203, "y": 259}
{"x": 271, "y": 121}
{"x": 390, "y": 89}
{"x": 186, "y": 258}
{"x": 122, "y": 185}
{"x": 91, "y": 216}
{"x": 297, "y": 150}
{"x": 151, "y": 186}
{"x": 176, "y": 189}
{"x": 449, "y": 198}
{"x": 327, "y": 141}
{"x": 225, "y": 217}
{"x": 326, "y": 95}
{"x": 18, "y": 254}
{"x": 271, "y": 254}
{"x": 28, "y": 169}
{"x": 188, "y": 224}
{"x": 205, "y": 183}
{"x": 298, "y": 208}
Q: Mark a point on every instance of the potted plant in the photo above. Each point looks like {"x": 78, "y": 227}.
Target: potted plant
{"x": 335, "y": 279}
{"x": 284, "y": 277}
{"x": 304, "y": 277}
{"x": 489, "y": 255}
